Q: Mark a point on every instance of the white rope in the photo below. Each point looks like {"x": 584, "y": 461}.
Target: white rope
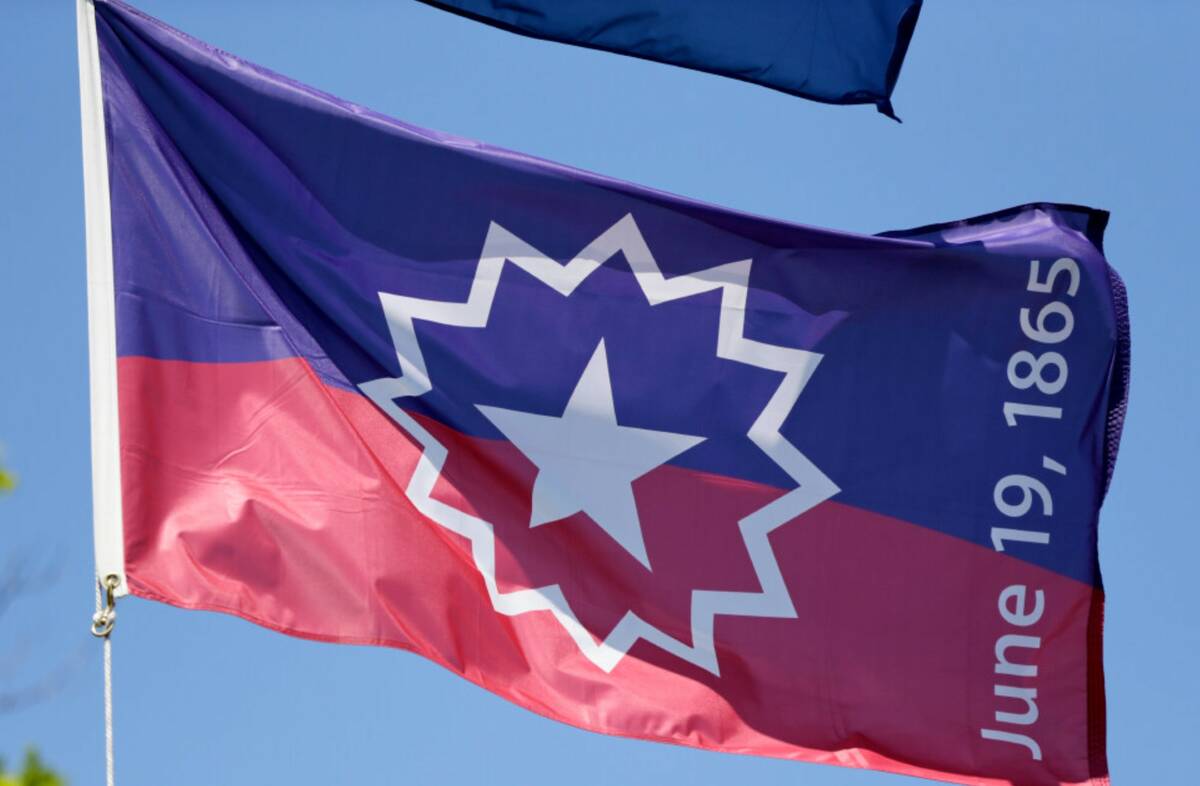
{"x": 108, "y": 723}
{"x": 108, "y": 711}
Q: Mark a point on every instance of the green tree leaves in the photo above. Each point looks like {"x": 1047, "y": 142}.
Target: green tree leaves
{"x": 8, "y": 481}
{"x": 33, "y": 773}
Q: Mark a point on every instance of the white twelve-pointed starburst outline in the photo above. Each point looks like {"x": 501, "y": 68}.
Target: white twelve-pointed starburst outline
{"x": 813, "y": 487}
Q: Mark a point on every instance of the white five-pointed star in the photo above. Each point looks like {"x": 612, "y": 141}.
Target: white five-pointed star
{"x": 587, "y": 461}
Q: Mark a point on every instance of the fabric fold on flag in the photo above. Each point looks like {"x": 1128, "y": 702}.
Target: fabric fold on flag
{"x": 644, "y": 465}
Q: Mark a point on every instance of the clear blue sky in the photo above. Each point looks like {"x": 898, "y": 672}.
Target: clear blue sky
{"x": 1091, "y": 102}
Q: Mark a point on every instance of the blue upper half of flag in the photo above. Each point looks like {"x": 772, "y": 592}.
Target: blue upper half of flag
{"x": 256, "y": 219}
{"x": 845, "y": 52}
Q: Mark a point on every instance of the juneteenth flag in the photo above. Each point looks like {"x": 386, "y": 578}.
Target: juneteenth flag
{"x": 640, "y": 464}
{"x": 844, "y": 52}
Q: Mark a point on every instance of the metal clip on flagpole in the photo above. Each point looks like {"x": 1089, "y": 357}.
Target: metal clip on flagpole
{"x": 102, "y": 626}
{"x": 106, "y": 613}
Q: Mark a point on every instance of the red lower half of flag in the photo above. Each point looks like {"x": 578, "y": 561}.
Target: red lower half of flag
{"x": 257, "y": 490}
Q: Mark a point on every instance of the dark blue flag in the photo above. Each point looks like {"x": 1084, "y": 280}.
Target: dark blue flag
{"x": 845, "y": 52}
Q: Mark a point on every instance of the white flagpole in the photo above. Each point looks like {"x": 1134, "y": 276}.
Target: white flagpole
{"x": 107, "y": 528}
{"x": 102, "y": 328}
